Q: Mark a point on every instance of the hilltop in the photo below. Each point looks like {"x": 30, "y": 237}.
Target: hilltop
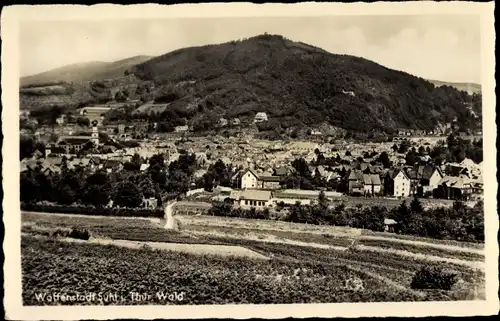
{"x": 81, "y": 72}
{"x": 296, "y": 84}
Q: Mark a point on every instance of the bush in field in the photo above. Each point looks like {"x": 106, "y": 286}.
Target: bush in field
{"x": 79, "y": 234}
{"x": 432, "y": 277}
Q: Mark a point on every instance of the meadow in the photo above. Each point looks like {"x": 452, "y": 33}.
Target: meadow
{"x": 301, "y": 266}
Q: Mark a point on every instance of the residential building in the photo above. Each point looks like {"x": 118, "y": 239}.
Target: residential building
{"x": 452, "y": 187}
{"x": 112, "y": 165}
{"x": 181, "y": 129}
{"x": 250, "y": 179}
{"x": 253, "y": 198}
{"x": 150, "y": 203}
{"x": 397, "y": 183}
{"x": 371, "y": 184}
{"x": 260, "y": 117}
{"x": 355, "y": 182}
{"x": 73, "y": 144}
{"x": 222, "y": 122}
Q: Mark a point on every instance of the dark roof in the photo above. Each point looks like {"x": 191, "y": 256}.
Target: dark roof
{"x": 456, "y": 170}
{"x": 282, "y": 171}
{"x": 111, "y": 163}
{"x": 356, "y": 175}
{"x": 74, "y": 141}
{"x": 371, "y": 179}
{"x": 269, "y": 178}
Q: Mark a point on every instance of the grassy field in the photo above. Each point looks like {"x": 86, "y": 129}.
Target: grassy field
{"x": 86, "y": 266}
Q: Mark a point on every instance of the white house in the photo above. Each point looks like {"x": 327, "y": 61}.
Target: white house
{"x": 254, "y": 198}
{"x": 181, "y": 129}
{"x": 249, "y": 180}
{"x": 434, "y": 180}
{"x": 402, "y": 184}
{"x": 260, "y": 117}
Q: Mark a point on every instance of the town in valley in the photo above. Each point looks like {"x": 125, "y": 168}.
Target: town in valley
{"x": 260, "y": 170}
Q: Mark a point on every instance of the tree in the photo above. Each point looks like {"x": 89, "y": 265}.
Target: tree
{"x": 410, "y": 158}
{"x": 121, "y": 96}
{"x": 347, "y": 153}
{"x": 416, "y": 206}
{"x": 401, "y": 215}
{"x": 127, "y": 194}
{"x": 395, "y": 147}
{"x": 83, "y": 121}
{"x": 421, "y": 151}
{"x": 384, "y": 159}
{"x": 97, "y": 189}
{"x": 404, "y": 146}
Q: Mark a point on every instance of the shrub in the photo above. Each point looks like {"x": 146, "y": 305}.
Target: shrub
{"x": 433, "y": 277}
{"x": 79, "y": 234}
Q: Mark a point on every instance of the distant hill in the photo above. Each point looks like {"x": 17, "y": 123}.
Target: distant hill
{"x": 469, "y": 87}
{"x": 96, "y": 70}
{"x": 300, "y": 85}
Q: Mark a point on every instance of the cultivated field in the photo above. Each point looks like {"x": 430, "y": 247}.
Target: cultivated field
{"x": 271, "y": 262}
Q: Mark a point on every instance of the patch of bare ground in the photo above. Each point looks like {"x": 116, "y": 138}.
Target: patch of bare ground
{"x": 477, "y": 265}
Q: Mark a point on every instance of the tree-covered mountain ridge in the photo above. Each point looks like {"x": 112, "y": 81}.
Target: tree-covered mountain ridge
{"x": 295, "y": 83}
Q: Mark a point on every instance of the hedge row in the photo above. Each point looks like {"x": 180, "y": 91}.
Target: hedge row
{"x": 92, "y": 210}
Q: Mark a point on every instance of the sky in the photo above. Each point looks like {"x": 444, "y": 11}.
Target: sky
{"x": 437, "y": 47}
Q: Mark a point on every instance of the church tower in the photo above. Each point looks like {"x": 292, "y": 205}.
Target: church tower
{"x": 95, "y": 133}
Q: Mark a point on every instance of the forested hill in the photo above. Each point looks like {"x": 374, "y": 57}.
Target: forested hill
{"x": 90, "y": 71}
{"x": 298, "y": 84}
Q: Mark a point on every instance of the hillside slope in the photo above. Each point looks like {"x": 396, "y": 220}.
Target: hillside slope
{"x": 298, "y": 84}
{"x": 96, "y": 70}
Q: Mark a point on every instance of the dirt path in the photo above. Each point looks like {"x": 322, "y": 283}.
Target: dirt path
{"x": 423, "y": 244}
{"x": 478, "y": 265}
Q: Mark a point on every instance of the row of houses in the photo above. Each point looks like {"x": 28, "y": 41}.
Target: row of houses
{"x": 53, "y": 165}
{"x": 420, "y": 180}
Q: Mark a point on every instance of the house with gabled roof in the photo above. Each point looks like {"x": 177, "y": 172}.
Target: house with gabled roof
{"x": 355, "y": 182}
{"x": 397, "y": 183}
{"x": 250, "y": 179}
{"x": 253, "y": 198}
{"x": 453, "y": 187}
{"x": 112, "y": 165}
{"x": 371, "y": 184}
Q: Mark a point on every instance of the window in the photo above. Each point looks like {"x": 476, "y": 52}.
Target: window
{"x": 246, "y": 202}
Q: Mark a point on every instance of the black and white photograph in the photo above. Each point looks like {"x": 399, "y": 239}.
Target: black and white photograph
{"x": 299, "y": 157}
